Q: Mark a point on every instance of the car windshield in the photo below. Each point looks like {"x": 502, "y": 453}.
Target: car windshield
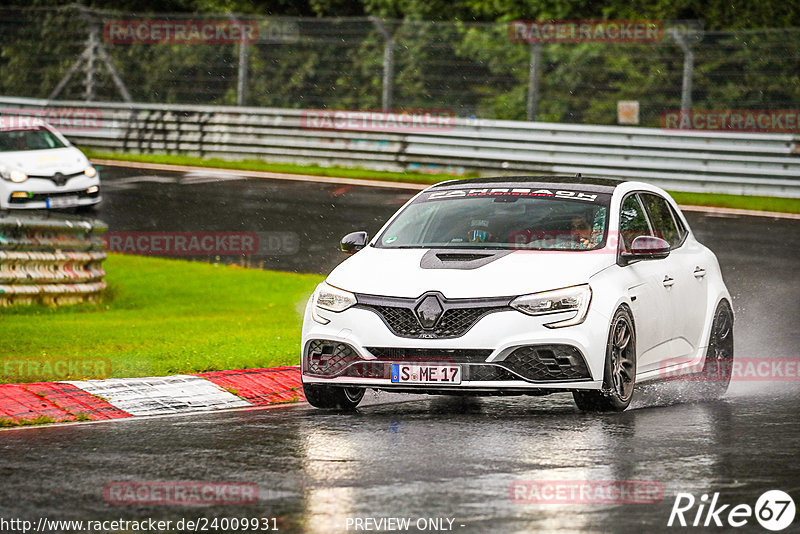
{"x": 29, "y": 139}
{"x": 501, "y": 218}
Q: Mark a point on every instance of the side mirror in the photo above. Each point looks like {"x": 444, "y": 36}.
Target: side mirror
{"x": 646, "y": 247}
{"x": 353, "y": 242}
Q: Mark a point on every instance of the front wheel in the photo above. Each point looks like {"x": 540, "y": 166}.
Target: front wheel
{"x": 718, "y": 365}
{"x": 619, "y": 376}
{"x": 333, "y": 398}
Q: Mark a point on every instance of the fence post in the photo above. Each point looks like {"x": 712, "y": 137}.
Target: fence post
{"x": 688, "y": 71}
{"x": 241, "y": 85}
{"x": 388, "y": 64}
{"x": 91, "y": 69}
{"x": 533, "y": 80}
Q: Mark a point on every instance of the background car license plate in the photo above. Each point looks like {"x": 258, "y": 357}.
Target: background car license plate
{"x": 62, "y": 202}
{"x": 426, "y": 374}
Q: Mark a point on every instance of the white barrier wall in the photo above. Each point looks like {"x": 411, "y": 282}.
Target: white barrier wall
{"x": 684, "y": 160}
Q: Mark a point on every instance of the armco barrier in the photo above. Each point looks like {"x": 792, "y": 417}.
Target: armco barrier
{"x": 50, "y": 260}
{"x": 683, "y": 160}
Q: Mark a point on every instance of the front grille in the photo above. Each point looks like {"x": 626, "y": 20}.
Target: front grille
{"x": 430, "y": 355}
{"x": 547, "y": 362}
{"x": 403, "y": 316}
{"x": 41, "y": 197}
{"x": 455, "y": 322}
{"x": 60, "y": 179}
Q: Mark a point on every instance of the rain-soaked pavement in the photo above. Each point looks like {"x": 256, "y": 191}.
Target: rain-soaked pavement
{"x": 426, "y": 459}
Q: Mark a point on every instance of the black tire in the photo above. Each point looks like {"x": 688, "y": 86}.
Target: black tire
{"x": 718, "y": 365}
{"x": 619, "y": 376}
{"x": 332, "y": 397}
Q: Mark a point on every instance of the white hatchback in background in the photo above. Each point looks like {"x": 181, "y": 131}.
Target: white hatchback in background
{"x": 40, "y": 169}
{"x": 521, "y": 285}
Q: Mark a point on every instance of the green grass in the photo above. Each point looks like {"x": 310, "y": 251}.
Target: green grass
{"x": 164, "y": 317}
{"x": 778, "y": 204}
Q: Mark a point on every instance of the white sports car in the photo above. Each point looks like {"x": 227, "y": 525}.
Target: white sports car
{"x": 40, "y": 169}
{"x": 520, "y": 285}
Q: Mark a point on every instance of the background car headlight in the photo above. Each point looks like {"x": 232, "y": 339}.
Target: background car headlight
{"x": 333, "y": 299}
{"x": 14, "y": 175}
{"x": 569, "y": 299}
{"x": 90, "y": 171}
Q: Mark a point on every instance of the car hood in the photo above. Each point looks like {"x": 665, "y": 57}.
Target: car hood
{"x": 398, "y": 273}
{"x": 66, "y": 160}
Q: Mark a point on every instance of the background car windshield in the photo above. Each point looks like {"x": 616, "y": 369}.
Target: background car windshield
{"x": 33, "y": 139}
{"x": 501, "y": 221}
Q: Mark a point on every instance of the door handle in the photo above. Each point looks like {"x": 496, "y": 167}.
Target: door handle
{"x": 699, "y": 273}
{"x": 668, "y": 281}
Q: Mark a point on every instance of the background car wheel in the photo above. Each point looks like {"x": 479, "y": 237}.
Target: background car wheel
{"x": 333, "y": 398}
{"x": 620, "y": 369}
{"x": 716, "y": 374}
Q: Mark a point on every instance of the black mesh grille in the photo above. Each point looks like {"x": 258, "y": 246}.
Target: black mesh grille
{"x": 547, "y": 362}
{"x": 369, "y": 369}
{"x": 454, "y": 322}
{"x": 430, "y": 355}
{"x": 328, "y": 358}
{"x": 487, "y": 372}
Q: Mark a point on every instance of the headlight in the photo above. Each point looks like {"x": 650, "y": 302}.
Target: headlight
{"x": 333, "y": 299}
{"x": 14, "y": 175}
{"x": 90, "y": 171}
{"x": 570, "y": 299}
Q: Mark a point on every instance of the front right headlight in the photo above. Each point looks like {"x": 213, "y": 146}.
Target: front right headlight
{"x": 569, "y": 299}
{"x": 333, "y": 299}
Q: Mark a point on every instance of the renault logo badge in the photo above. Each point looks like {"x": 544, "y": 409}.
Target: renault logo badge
{"x": 429, "y": 311}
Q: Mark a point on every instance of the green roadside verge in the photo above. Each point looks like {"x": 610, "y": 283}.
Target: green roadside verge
{"x": 161, "y": 317}
{"x": 758, "y": 203}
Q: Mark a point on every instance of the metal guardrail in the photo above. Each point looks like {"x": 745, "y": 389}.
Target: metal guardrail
{"x": 50, "y": 261}
{"x": 683, "y": 160}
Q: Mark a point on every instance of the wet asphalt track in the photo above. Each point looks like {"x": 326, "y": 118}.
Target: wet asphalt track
{"x": 429, "y": 457}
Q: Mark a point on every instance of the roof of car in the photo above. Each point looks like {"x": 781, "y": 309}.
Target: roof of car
{"x": 578, "y": 182}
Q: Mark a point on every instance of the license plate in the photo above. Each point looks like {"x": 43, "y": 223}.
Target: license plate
{"x": 426, "y": 374}
{"x": 62, "y": 202}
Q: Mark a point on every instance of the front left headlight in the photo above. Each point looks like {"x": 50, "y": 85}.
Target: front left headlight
{"x": 569, "y": 299}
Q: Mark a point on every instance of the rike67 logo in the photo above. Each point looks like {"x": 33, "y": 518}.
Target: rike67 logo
{"x": 774, "y": 510}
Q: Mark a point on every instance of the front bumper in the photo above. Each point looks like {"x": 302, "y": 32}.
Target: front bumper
{"x": 39, "y": 190}
{"x": 503, "y": 352}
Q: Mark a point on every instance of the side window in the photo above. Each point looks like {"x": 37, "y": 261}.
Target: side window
{"x": 682, "y": 231}
{"x": 632, "y": 221}
{"x": 661, "y": 216}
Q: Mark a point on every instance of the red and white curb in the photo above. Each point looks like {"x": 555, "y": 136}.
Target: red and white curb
{"x": 127, "y": 397}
